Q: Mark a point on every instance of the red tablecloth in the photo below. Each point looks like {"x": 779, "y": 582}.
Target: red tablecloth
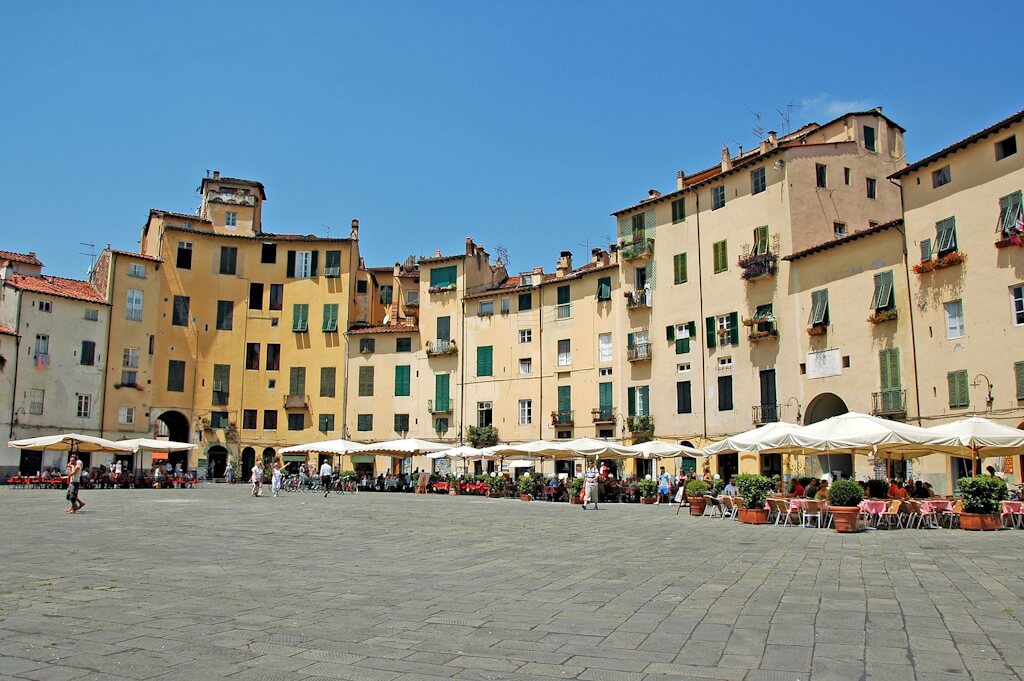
{"x": 874, "y": 506}
{"x": 1013, "y": 507}
{"x": 935, "y": 505}
{"x": 440, "y": 487}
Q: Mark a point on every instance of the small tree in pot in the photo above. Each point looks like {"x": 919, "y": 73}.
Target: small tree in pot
{"x": 526, "y": 486}
{"x": 647, "y": 489}
{"x": 982, "y": 498}
{"x": 843, "y": 499}
{"x": 575, "y": 486}
{"x": 755, "y": 490}
{"x": 695, "y": 491}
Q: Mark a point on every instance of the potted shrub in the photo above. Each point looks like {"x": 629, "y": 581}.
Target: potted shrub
{"x": 982, "y": 497}
{"x": 843, "y": 499}
{"x": 494, "y": 484}
{"x": 647, "y": 489}
{"x": 695, "y": 491}
{"x": 755, "y": 490}
{"x": 575, "y": 487}
{"x": 525, "y": 485}
{"x": 454, "y": 487}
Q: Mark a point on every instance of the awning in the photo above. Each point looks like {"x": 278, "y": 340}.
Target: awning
{"x": 294, "y": 457}
{"x": 159, "y": 456}
{"x": 363, "y": 458}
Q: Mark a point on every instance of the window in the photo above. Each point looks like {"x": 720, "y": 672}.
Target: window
{"x": 682, "y": 334}
{"x": 485, "y": 360}
{"x": 228, "y": 259}
{"x": 486, "y": 308}
{"x": 184, "y": 258}
{"x": 1006, "y": 147}
{"x": 84, "y": 408}
{"x": 221, "y": 384}
{"x": 133, "y": 312}
{"x": 35, "y": 402}
{"x": 717, "y": 197}
{"x": 525, "y": 366}
{"x": 604, "y": 288}
{"x": 301, "y": 264}
{"x": 387, "y": 292}
{"x": 42, "y": 346}
{"x": 1017, "y": 296}
{"x": 760, "y": 240}
{"x": 366, "y": 381}
{"x": 130, "y": 358}
{"x": 838, "y": 229}
{"x": 330, "y": 324}
{"x": 954, "y": 319}
{"x": 126, "y": 416}
{"x": 525, "y": 335}
{"x": 444, "y": 328}
{"x": 846, "y": 176}
{"x": 297, "y": 381}
{"x": 1018, "y": 374}
{"x": 720, "y": 254}
{"x": 92, "y": 314}
{"x": 604, "y": 347}
{"x": 361, "y": 286}
{"x": 882, "y": 298}
{"x": 443, "y": 277}
{"x": 403, "y": 345}
{"x": 137, "y": 270}
{"x": 332, "y": 265}
{"x": 725, "y": 393}
{"x": 926, "y": 250}
{"x": 225, "y": 315}
{"x": 525, "y": 302}
{"x": 679, "y": 210}
{"x": 941, "y": 176}
{"x": 273, "y": 356}
{"x": 819, "y": 308}
{"x": 401, "y": 423}
{"x": 179, "y": 311}
{"x": 564, "y": 353}
{"x": 945, "y": 236}
{"x": 821, "y": 175}
{"x": 604, "y": 371}
{"x": 871, "y": 186}
{"x": 412, "y": 298}
{"x": 638, "y": 224}
{"x": 1009, "y": 211}
{"x": 87, "y": 357}
{"x": 364, "y": 422}
{"x": 506, "y": 305}
{"x": 757, "y": 181}
{"x": 564, "y": 307}
{"x": 525, "y": 412}
{"x": 684, "y": 403}
{"x": 328, "y": 376}
{"x": 252, "y": 356}
{"x": 403, "y": 380}
{"x": 255, "y": 296}
{"x": 249, "y": 419}
{"x": 638, "y": 400}
{"x": 724, "y": 363}
{"x": 152, "y": 344}
{"x": 869, "y": 138}
{"x": 269, "y": 419}
{"x": 484, "y": 414}
{"x": 683, "y": 368}
{"x": 268, "y": 255}
{"x": 276, "y": 297}
{"x": 679, "y": 268}
{"x": 367, "y": 346}
{"x": 326, "y": 423}
{"x": 175, "y": 376}
{"x": 296, "y": 421}
{"x": 230, "y": 219}
{"x": 959, "y": 395}
{"x": 300, "y": 317}
{"x": 442, "y": 382}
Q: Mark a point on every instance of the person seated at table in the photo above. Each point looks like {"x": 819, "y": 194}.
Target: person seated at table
{"x": 46, "y": 474}
{"x": 795, "y": 488}
{"x": 731, "y": 489}
{"x": 990, "y": 471}
{"x": 822, "y": 492}
{"x": 918, "y": 492}
{"x": 811, "y": 490}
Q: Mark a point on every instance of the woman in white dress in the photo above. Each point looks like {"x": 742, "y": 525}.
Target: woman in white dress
{"x": 275, "y": 480}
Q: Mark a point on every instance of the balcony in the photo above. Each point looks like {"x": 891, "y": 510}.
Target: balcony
{"x": 441, "y": 347}
{"x": 639, "y": 352}
{"x": 42, "y": 359}
{"x": 441, "y": 406}
{"x": 233, "y": 198}
{"x": 765, "y": 413}
{"x": 890, "y": 404}
{"x": 635, "y": 299}
{"x": 761, "y": 328}
{"x": 296, "y": 401}
{"x": 441, "y": 288}
{"x": 882, "y": 316}
{"x": 640, "y": 425}
{"x": 561, "y": 418}
{"x": 603, "y": 415}
{"x": 759, "y": 260}
{"x": 637, "y": 248}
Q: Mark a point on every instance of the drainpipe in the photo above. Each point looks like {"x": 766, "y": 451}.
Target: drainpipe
{"x": 701, "y": 321}
{"x": 540, "y": 362}
{"x": 110, "y": 318}
{"x": 913, "y": 332}
{"x": 17, "y": 362}
{"x": 462, "y": 366}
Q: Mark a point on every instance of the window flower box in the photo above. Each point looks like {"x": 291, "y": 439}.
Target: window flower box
{"x": 762, "y": 334}
{"x": 441, "y": 289}
{"x": 881, "y": 316}
{"x": 948, "y": 260}
{"x": 817, "y": 330}
{"x": 1010, "y": 241}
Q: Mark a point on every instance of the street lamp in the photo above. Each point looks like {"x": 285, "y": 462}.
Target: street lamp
{"x": 988, "y": 398}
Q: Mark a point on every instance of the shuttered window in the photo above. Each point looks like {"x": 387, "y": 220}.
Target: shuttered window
{"x": 679, "y": 210}
{"x": 88, "y": 354}
{"x": 718, "y": 197}
{"x": 330, "y": 317}
{"x": 441, "y": 396}
{"x": 725, "y": 393}
{"x": 563, "y": 295}
{"x": 228, "y": 259}
{"x": 679, "y": 274}
{"x": 631, "y": 401}
{"x": 525, "y": 301}
{"x": 179, "y": 312}
{"x": 300, "y": 317}
{"x": 819, "y": 308}
{"x": 332, "y": 264}
{"x": 326, "y": 423}
{"x": 882, "y": 298}
{"x": 175, "y": 376}
{"x": 710, "y": 330}
{"x": 1018, "y": 373}
{"x": 889, "y": 369}
{"x": 720, "y": 253}
{"x": 225, "y": 315}
{"x": 221, "y": 384}
{"x": 605, "y": 399}
{"x": 366, "y": 381}
{"x": 297, "y": 381}
{"x": 959, "y": 395}
{"x": 328, "y": 381}
{"x": 485, "y": 360}
{"x": 684, "y": 403}
{"x": 564, "y": 398}
{"x": 926, "y": 250}
{"x": 604, "y": 288}
{"x": 1009, "y": 209}
{"x": 443, "y": 277}
{"x": 734, "y": 328}
{"x": 760, "y": 240}
{"x": 945, "y": 236}
{"x": 402, "y": 380}
{"x": 683, "y": 339}
{"x": 364, "y": 422}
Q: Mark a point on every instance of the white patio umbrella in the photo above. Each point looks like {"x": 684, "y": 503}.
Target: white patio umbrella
{"x": 404, "y": 448}
{"x": 656, "y": 449}
{"x": 141, "y": 444}
{"x": 535, "y": 447}
{"x": 322, "y": 447}
{"x": 751, "y": 440}
{"x": 587, "y": 446}
{"x": 70, "y": 442}
{"x": 463, "y": 454}
{"x": 983, "y": 437}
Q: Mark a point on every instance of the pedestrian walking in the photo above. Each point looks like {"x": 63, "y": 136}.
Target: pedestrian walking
{"x": 664, "y": 486}
{"x": 325, "y": 476}
{"x": 275, "y": 478}
{"x": 590, "y": 488}
{"x": 257, "y": 479}
{"x": 227, "y": 473}
{"x": 74, "y": 472}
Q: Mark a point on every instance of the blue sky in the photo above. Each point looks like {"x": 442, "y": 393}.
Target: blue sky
{"x": 521, "y": 124}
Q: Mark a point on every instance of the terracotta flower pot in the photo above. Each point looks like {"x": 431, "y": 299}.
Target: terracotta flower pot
{"x": 493, "y": 495}
{"x": 845, "y": 517}
{"x": 646, "y": 500}
{"x": 575, "y": 500}
{"x": 525, "y": 497}
{"x": 697, "y": 505}
{"x": 981, "y": 521}
{"x": 754, "y": 516}
{"x": 453, "y": 492}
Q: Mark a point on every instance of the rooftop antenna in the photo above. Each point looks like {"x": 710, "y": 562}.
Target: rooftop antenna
{"x": 327, "y": 230}
{"x": 502, "y": 255}
{"x": 758, "y": 129}
{"x": 787, "y": 117}
{"x": 91, "y": 254}
{"x": 738, "y": 146}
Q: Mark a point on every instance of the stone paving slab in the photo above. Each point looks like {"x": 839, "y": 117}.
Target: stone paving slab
{"x": 213, "y": 584}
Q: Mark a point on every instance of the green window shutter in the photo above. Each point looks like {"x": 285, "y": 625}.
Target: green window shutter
{"x": 926, "y": 250}
{"x": 958, "y": 395}
{"x": 631, "y": 340}
{"x": 330, "y": 317}
{"x": 631, "y": 401}
{"x": 443, "y": 276}
{"x": 965, "y": 395}
{"x": 761, "y": 240}
{"x": 679, "y": 210}
{"x": 290, "y": 267}
{"x": 682, "y": 346}
{"x": 297, "y": 381}
{"x": 670, "y": 332}
{"x": 327, "y": 381}
{"x": 441, "y": 385}
{"x": 877, "y": 291}
{"x": 734, "y": 328}
{"x": 819, "y": 308}
{"x": 604, "y": 288}
{"x": 366, "y": 381}
{"x": 679, "y": 268}
{"x": 563, "y": 295}
{"x": 564, "y": 398}
{"x": 889, "y": 368}
{"x": 300, "y": 317}
{"x": 485, "y": 360}
{"x": 1009, "y": 207}
{"x": 1018, "y": 372}
{"x": 402, "y": 380}
{"x": 710, "y": 327}
{"x": 604, "y": 395}
{"x": 525, "y": 301}
{"x": 945, "y": 235}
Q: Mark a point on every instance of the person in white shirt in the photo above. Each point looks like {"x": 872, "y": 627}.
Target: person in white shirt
{"x": 74, "y": 484}
{"x": 590, "y": 488}
{"x": 325, "y": 476}
{"x": 731, "y": 489}
{"x": 257, "y": 479}
{"x": 275, "y": 478}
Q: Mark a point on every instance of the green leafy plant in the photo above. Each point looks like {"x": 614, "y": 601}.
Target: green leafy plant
{"x": 696, "y": 488}
{"x": 754, "y": 489}
{"x": 983, "y": 494}
{"x": 482, "y": 436}
{"x": 526, "y": 484}
{"x": 647, "y": 488}
{"x": 845, "y": 493}
{"x": 717, "y": 486}
{"x": 575, "y": 486}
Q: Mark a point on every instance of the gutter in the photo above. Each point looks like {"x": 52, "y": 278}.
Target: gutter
{"x": 906, "y": 274}
{"x": 17, "y": 362}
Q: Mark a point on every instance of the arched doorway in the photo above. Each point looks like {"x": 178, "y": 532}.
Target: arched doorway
{"x": 825, "y": 406}
{"x": 177, "y": 427}
{"x": 217, "y": 461}
{"x": 248, "y": 461}
{"x": 269, "y": 456}
{"x": 687, "y": 464}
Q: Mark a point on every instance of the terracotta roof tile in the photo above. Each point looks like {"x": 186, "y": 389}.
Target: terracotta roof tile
{"x": 844, "y": 240}
{"x": 142, "y": 256}
{"x": 75, "y": 289}
{"x": 395, "y": 328}
{"x": 27, "y": 258}
{"x": 957, "y": 146}
{"x": 6, "y": 331}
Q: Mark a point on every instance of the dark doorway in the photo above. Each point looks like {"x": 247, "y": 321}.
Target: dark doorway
{"x": 687, "y": 465}
{"x": 644, "y": 467}
{"x": 728, "y": 465}
{"x": 269, "y": 455}
{"x": 217, "y": 460}
{"x": 248, "y": 461}
{"x": 178, "y": 459}
{"x": 771, "y": 464}
{"x": 177, "y": 427}
{"x": 561, "y": 467}
{"x": 85, "y": 458}
{"x": 31, "y": 462}
{"x": 823, "y": 407}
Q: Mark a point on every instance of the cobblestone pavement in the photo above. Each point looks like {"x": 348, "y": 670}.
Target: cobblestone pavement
{"x": 210, "y": 583}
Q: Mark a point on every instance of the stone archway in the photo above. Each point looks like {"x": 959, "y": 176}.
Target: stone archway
{"x": 248, "y": 461}
{"x": 178, "y": 430}
{"x": 825, "y": 406}
{"x": 217, "y": 460}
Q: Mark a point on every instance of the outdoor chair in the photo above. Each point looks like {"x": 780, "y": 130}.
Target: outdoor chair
{"x": 786, "y": 513}
{"x": 728, "y": 507}
{"x": 917, "y": 512}
{"x": 811, "y": 509}
{"x": 711, "y": 506}
{"x": 893, "y": 512}
{"x": 954, "y": 515}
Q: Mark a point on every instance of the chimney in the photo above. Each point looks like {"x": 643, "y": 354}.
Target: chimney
{"x": 538, "y": 276}
{"x": 773, "y": 139}
{"x": 680, "y": 180}
{"x": 216, "y": 174}
{"x": 564, "y": 266}
{"x": 653, "y": 194}
{"x": 362, "y": 263}
{"x": 599, "y": 257}
{"x": 470, "y": 246}
{"x": 437, "y": 253}
{"x": 726, "y": 159}
{"x": 355, "y": 230}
